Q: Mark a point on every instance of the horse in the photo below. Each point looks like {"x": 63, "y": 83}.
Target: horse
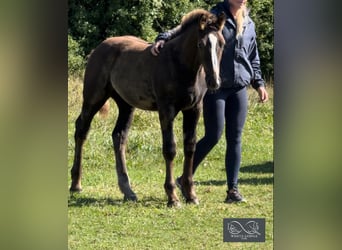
{"x": 124, "y": 69}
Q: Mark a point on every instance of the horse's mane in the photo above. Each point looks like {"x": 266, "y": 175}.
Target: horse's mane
{"x": 193, "y": 17}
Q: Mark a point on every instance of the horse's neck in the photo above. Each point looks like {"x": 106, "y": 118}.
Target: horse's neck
{"x": 187, "y": 51}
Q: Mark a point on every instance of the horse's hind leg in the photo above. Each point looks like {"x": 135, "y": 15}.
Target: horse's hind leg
{"x": 119, "y": 136}
{"x": 82, "y": 127}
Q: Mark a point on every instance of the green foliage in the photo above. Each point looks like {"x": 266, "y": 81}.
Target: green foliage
{"x": 262, "y": 15}
{"x": 91, "y": 21}
{"x": 87, "y": 22}
{"x": 75, "y": 58}
{"x": 133, "y": 18}
{"x": 172, "y": 13}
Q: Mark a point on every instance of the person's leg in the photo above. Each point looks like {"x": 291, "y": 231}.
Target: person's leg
{"x": 236, "y": 112}
{"x": 213, "y": 116}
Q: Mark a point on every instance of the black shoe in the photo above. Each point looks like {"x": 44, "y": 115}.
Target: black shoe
{"x": 233, "y": 195}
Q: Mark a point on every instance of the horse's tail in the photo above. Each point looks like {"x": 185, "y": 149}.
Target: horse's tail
{"x": 104, "y": 110}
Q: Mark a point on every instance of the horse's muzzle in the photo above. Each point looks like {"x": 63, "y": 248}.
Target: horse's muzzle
{"x": 213, "y": 83}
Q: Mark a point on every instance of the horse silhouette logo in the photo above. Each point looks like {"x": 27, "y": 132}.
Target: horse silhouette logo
{"x": 244, "y": 230}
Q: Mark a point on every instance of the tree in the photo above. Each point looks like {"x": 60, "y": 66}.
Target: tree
{"x": 75, "y": 58}
{"x": 91, "y": 21}
{"x": 262, "y": 14}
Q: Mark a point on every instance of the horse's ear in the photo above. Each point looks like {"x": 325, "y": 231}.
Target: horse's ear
{"x": 203, "y": 22}
{"x": 221, "y": 20}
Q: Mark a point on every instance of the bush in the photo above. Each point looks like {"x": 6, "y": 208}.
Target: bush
{"x": 90, "y": 22}
{"x": 262, "y": 15}
{"x": 75, "y": 58}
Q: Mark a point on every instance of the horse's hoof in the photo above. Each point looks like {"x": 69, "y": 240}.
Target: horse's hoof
{"x": 75, "y": 189}
{"x": 174, "y": 204}
{"x": 131, "y": 197}
{"x": 193, "y": 201}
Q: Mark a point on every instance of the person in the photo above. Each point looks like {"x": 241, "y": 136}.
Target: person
{"x": 240, "y": 66}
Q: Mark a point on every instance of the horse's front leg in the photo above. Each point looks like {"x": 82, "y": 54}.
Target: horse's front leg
{"x": 190, "y": 120}
{"x": 169, "y": 153}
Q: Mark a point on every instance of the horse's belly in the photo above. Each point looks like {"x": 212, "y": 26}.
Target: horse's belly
{"x": 136, "y": 92}
{"x": 137, "y": 99}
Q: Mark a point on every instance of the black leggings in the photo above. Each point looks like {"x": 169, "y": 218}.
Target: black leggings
{"x": 225, "y": 106}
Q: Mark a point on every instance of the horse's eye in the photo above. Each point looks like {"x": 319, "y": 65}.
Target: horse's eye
{"x": 200, "y": 45}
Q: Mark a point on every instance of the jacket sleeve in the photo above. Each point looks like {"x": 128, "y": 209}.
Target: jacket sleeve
{"x": 168, "y": 35}
{"x": 257, "y": 80}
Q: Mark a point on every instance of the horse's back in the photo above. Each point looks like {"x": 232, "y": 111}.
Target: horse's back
{"x": 127, "y": 64}
{"x": 132, "y": 71}
{"x": 114, "y": 49}
{"x": 126, "y": 43}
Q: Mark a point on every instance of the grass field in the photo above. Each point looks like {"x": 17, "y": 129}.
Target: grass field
{"x": 99, "y": 219}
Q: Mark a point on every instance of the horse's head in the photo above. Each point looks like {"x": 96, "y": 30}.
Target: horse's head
{"x": 210, "y": 45}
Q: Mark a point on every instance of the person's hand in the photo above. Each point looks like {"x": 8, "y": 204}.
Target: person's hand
{"x": 155, "y": 49}
{"x": 263, "y": 95}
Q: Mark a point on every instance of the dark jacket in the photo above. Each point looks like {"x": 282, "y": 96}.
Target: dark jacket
{"x": 245, "y": 68}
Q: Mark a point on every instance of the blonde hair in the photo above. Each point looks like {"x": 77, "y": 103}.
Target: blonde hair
{"x": 241, "y": 14}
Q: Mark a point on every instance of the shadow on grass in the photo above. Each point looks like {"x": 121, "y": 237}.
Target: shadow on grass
{"x": 256, "y": 181}
{"x": 247, "y": 181}
{"x": 78, "y": 201}
{"x": 266, "y": 167}
{"x": 151, "y": 201}
{"x": 211, "y": 183}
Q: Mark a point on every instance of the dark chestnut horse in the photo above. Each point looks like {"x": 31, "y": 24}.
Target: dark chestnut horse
{"x": 124, "y": 69}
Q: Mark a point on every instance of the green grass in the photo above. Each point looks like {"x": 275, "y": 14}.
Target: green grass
{"x": 99, "y": 219}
